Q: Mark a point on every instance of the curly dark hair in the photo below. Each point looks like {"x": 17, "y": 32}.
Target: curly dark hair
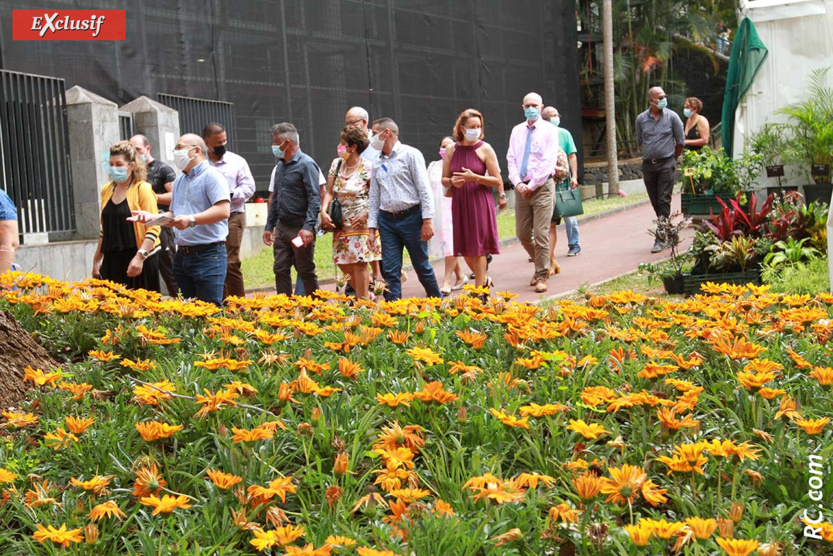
{"x": 695, "y": 103}
{"x": 354, "y": 135}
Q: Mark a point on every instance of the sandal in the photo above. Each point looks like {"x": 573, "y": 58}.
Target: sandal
{"x": 556, "y": 269}
{"x": 459, "y": 285}
{"x": 445, "y": 291}
{"x": 489, "y": 282}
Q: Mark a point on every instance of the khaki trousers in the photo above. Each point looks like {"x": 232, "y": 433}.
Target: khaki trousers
{"x": 532, "y": 225}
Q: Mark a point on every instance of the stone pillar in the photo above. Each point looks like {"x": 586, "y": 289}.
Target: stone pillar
{"x": 93, "y": 128}
{"x": 157, "y": 122}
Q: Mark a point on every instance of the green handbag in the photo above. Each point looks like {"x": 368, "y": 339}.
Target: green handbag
{"x": 568, "y": 202}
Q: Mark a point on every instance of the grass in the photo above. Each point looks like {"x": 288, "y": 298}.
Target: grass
{"x": 257, "y": 270}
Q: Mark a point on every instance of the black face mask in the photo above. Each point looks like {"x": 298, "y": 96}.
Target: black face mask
{"x": 219, "y": 150}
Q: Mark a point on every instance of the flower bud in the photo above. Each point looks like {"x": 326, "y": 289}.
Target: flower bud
{"x": 737, "y": 512}
{"x": 725, "y": 528}
{"x": 91, "y": 533}
{"x": 462, "y": 414}
{"x": 316, "y": 416}
{"x": 341, "y": 464}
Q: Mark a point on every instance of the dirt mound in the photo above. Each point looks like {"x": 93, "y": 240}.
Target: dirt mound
{"x": 17, "y": 351}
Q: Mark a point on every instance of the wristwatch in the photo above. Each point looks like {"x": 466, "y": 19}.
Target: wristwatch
{"x": 503, "y": 195}
{"x": 193, "y": 221}
{"x": 143, "y": 253}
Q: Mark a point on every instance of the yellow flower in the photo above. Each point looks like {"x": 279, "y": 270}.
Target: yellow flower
{"x": 166, "y": 504}
{"x": 59, "y": 439}
{"x": 309, "y": 550}
{"x": 58, "y": 536}
{"x": 148, "y": 481}
{"x": 535, "y": 410}
{"x": 18, "y": 419}
{"x": 280, "y": 536}
{"x": 563, "y": 512}
{"x": 154, "y": 430}
{"x": 7, "y": 476}
{"x": 474, "y": 338}
{"x": 433, "y": 392}
{"x": 531, "y": 480}
{"x": 364, "y": 551}
{"x": 107, "y": 509}
{"x": 702, "y": 528}
{"x": 278, "y": 487}
{"x": 812, "y": 426}
{"x": 77, "y": 390}
{"x": 640, "y": 533}
{"x": 349, "y": 369}
{"x": 40, "y": 378}
{"x": 824, "y": 375}
{"x": 590, "y": 431}
{"x": 97, "y": 484}
{"x": 139, "y": 364}
{"x": 737, "y": 547}
{"x": 103, "y": 356}
{"x": 510, "y": 420}
{"x": 223, "y": 480}
{"x": 153, "y": 393}
{"x": 509, "y": 536}
{"x": 409, "y": 494}
{"x": 664, "y": 529}
{"x": 393, "y": 400}
{"x": 425, "y": 355}
{"x": 588, "y": 486}
{"x": 258, "y": 433}
{"x": 340, "y": 541}
{"x": 212, "y": 402}
{"x": 624, "y": 484}
{"x": 76, "y": 425}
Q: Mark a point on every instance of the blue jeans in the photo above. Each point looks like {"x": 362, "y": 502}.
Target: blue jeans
{"x": 202, "y": 275}
{"x": 396, "y": 234}
{"x": 571, "y": 225}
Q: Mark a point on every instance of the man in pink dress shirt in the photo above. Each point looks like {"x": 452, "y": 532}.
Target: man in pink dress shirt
{"x": 531, "y": 160}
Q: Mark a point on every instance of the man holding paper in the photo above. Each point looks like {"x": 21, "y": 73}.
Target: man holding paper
{"x": 293, "y": 212}
{"x": 199, "y": 213}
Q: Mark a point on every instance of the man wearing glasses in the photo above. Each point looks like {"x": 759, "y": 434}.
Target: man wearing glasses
{"x": 661, "y": 135}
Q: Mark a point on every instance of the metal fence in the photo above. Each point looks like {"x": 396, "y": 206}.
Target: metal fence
{"x": 127, "y": 126}
{"x": 196, "y": 113}
{"x": 34, "y": 148}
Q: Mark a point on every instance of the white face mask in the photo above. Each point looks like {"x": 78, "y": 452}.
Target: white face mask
{"x": 181, "y": 159}
{"x": 473, "y": 134}
{"x": 376, "y": 143}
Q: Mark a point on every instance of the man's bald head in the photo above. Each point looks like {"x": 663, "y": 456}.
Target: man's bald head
{"x": 533, "y": 99}
{"x": 192, "y": 140}
{"x": 195, "y": 146}
{"x": 142, "y": 146}
{"x": 357, "y": 116}
{"x": 549, "y": 112}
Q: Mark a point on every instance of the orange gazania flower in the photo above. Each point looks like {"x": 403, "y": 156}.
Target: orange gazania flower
{"x": 393, "y": 400}
{"x": 340, "y": 541}
{"x": 654, "y": 370}
{"x": 154, "y": 430}
{"x": 40, "y": 378}
{"x": 737, "y": 547}
{"x": 425, "y": 355}
{"x": 590, "y": 431}
{"x": 7, "y": 476}
{"x": 58, "y": 536}
{"x": 588, "y": 486}
{"x": 787, "y": 409}
{"x": 624, "y": 484}
{"x": 153, "y": 393}
{"x": 398, "y": 336}
{"x": 823, "y": 374}
{"x": 103, "y": 356}
{"x": 474, "y": 338}
{"x": 740, "y": 348}
{"x": 433, "y": 392}
{"x": 280, "y": 536}
{"x": 509, "y": 536}
{"x": 311, "y": 366}
{"x": 106, "y": 509}
{"x": 278, "y": 487}
{"x": 77, "y": 390}
{"x": 668, "y": 418}
{"x": 139, "y": 364}
{"x": 349, "y": 369}
{"x": 399, "y": 457}
{"x": 309, "y": 550}
{"x": 222, "y": 480}
{"x": 166, "y": 504}
{"x": 258, "y": 433}
{"x": 771, "y": 393}
{"x": 365, "y": 551}
{"x": 18, "y": 419}
{"x": 148, "y": 481}
{"x": 535, "y": 410}
{"x": 531, "y": 480}
{"x": 640, "y": 533}
{"x": 224, "y": 362}
{"x": 812, "y": 426}
{"x": 510, "y": 420}
{"x": 97, "y": 484}
{"x": 409, "y": 494}
{"x": 702, "y": 528}
{"x": 76, "y": 425}
{"x": 499, "y": 492}
{"x": 212, "y": 402}
{"x": 395, "y": 436}
{"x": 754, "y": 381}
{"x": 59, "y": 439}
{"x": 563, "y": 512}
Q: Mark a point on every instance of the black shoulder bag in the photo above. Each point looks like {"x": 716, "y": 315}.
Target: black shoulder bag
{"x": 334, "y": 210}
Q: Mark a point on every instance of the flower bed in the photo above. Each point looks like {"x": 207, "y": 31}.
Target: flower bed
{"x": 628, "y": 425}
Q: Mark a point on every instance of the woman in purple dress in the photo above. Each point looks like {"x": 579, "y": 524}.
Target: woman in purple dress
{"x": 470, "y": 171}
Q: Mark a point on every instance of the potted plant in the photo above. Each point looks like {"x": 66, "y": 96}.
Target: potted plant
{"x": 732, "y": 246}
{"x": 670, "y": 272}
{"x": 711, "y": 175}
{"x": 808, "y": 136}
{"x": 768, "y": 143}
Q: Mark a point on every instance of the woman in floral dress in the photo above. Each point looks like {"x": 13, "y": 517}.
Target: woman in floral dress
{"x": 350, "y": 183}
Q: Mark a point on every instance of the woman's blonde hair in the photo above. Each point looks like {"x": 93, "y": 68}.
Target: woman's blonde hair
{"x": 125, "y": 149}
{"x": 458, "y": 133}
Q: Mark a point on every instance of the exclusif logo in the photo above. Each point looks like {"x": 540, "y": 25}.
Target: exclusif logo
{"x": 69, "y": 25}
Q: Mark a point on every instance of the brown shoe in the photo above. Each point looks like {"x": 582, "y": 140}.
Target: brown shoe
{"x": 533, "y": 281}
{"x": 555, "y": 269}
{"x": 541, "y": 286}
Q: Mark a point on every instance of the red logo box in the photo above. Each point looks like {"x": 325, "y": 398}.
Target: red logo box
{"x": 69, "y": 25}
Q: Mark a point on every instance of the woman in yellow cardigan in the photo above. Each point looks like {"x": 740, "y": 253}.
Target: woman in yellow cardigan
{"x": 126, "y": 251}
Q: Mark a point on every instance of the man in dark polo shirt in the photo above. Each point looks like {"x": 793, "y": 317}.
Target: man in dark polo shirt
{"x": 293, "y": 213}
{"x": 661, "y": 135}
{"x": 161, "y": 177}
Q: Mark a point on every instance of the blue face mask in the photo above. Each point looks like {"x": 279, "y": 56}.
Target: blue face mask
{"x": 144, "y": 158}
{"x": 687, "y": 112}
{"x": 662, "y": 103}
{"x": 531, "y": 114}
{"x": 555, "y": 121}
{"x": 118, "y": 173}
{"x": 276, "y": 150}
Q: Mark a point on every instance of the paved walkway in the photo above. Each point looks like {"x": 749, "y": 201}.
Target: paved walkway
{"x": 611, "y": 245}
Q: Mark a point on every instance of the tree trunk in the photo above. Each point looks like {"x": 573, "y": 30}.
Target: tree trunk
{"x": 610, "y": 101}
{"x": 17, "y": 351}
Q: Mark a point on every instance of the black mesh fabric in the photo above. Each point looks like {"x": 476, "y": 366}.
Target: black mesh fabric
{"x": 420, "y": 62}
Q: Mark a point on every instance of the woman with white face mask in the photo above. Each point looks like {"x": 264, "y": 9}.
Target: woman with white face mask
{"x": 470, "y": 171}
{"x": 442, "y": 244}
{"x": 126, "y": 251}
